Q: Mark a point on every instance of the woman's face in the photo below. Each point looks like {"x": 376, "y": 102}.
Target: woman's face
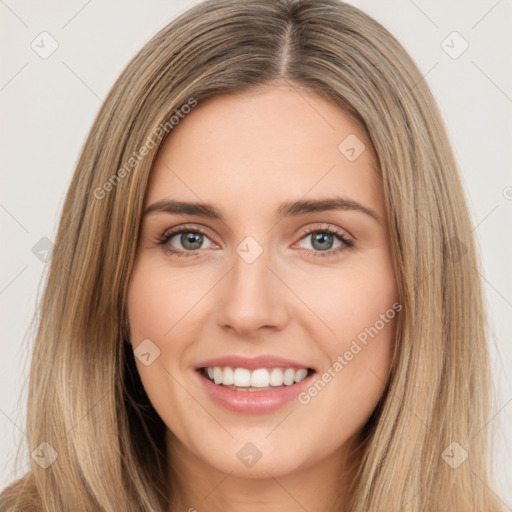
{"x": 275, "y": 286}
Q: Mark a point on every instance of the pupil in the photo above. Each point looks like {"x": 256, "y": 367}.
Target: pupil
{"x": 321, "y": 238}
{"x": 191, "y": 238}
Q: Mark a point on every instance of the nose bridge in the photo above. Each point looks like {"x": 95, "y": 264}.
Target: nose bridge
{"x": 251, "y": 298}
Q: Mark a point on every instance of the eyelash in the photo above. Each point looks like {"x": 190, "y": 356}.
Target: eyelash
{"x": 346, "y": 243}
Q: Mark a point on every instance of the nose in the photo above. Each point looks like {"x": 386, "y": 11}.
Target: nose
{"x": 252, "y": 297}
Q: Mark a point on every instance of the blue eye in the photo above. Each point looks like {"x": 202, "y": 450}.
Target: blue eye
{"x": 323, "y": 239}
{"x": 192, "y": 239}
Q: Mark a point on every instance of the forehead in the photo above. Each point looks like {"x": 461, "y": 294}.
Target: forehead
{"x": 263, "y": 147}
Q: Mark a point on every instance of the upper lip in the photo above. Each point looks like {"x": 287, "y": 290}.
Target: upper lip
{"x": 252, "y": 363}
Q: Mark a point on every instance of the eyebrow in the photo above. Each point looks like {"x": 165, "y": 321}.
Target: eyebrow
{"x": 289, "y": 209}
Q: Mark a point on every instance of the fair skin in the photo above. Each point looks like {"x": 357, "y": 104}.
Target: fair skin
{"x": 246, "y": 154}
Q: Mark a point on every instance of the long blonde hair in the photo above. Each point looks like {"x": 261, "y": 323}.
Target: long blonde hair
{"x": 85, "y": 398}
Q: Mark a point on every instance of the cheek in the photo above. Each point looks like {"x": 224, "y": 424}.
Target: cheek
{"x": 352, "y": 299}
{"x": 157, "y": 302}
{"x": 359, "y": 306}
{"x": 149, "y": 310}
{"x": 154, "y": 313}
{"x": 361, "y": 309}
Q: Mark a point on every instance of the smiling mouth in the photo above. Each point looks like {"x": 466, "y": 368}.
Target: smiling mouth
{"x": 260, "y": 379}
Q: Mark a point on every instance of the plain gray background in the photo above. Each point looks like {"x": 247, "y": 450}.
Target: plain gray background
{"x": 48, "y": 105}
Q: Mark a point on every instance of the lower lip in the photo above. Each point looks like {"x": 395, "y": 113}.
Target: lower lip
{"x": 253, "y": 402}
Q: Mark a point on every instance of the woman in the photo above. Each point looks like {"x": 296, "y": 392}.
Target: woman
{"x": 193, "y": 353}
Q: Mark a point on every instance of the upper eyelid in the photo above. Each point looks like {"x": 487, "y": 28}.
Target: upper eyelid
{"x": 180, "y": 229}
{"x": 327, "y": 227}
{"x": 306, "y": 231}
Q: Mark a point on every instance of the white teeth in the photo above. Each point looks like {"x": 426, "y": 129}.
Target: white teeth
{"x": 241, "y": 377}
{"x": 300, "y": 374}
{"x": 289, "y": 376}
{"x": 259, "y": 378}
{"x": 228, "y": 376}
{"x": 217, "y": 375}
{"x": 276, "y": 377}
